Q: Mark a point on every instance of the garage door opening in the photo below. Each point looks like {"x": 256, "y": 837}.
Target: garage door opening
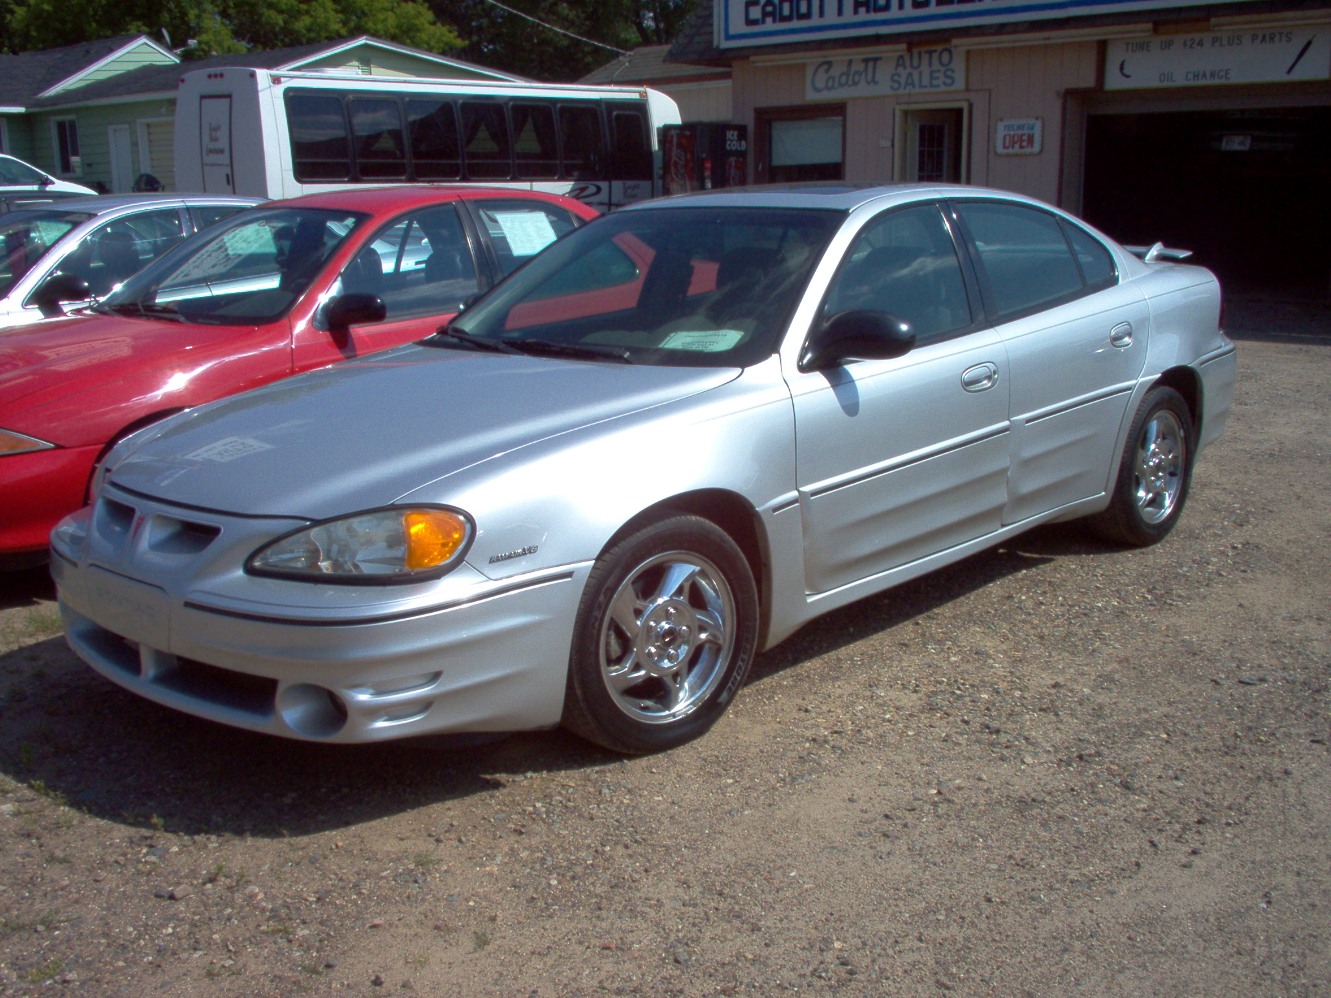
{"x": 1248, "y": 191}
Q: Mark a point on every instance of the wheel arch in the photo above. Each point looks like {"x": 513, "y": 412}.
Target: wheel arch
{"x": 731, "y": 513}
{"x": 1187, "y": 383}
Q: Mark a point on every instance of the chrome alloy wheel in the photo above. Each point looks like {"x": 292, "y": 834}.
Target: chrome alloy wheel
{"x": 668, "y": 637}
{"x": 1159, "y": 471}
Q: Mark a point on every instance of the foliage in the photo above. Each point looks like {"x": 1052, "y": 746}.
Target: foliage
{"x": 221, "y": 27}
{"x": 509, "y": 41}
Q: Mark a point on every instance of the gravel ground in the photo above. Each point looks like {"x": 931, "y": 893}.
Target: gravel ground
{"x": 1056, "y": 767}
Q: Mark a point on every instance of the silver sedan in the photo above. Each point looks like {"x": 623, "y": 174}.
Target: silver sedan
{"x": 666, "y": 443}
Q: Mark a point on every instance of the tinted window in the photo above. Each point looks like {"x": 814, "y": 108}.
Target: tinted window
{"x": 905, "y": 263}
{"x": 535, "y": 149}
{"x": 1097, "y": 266}
{"x": 518, "y": 230}
{"x": 485, "y": 141}
{"x": 583, "y": 143}
{"x": 208, "y": 214}
{"x": 1024, "y": 257}
{"x": 376, "y": 126}
{"x": 319, "y": 143}
{"x": 435, "y": 153}
{"x": 418, "y": 265}
{"x": 632, "y": 152}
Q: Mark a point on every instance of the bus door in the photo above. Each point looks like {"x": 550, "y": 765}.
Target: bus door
{"x": 215, "y": 140}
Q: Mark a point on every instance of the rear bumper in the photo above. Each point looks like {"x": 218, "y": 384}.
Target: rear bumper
{"x": 36, "y": 490}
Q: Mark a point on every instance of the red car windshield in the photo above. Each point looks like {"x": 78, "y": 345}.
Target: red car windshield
{"x": 27, "y": 236}
{"x": 247, "y": 271}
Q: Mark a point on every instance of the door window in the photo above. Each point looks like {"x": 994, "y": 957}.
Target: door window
{"x": 905, "y": 264}
{"x": 1025, "y": 261}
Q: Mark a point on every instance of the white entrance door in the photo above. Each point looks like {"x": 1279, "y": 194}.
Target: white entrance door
{"x": 121, "y": 142}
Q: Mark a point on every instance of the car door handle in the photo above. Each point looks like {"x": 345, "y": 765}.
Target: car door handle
{"x": 979, "y": 378}
{"x": 1121, "y": 335}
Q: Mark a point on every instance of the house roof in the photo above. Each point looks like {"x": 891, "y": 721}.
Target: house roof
{"x": 647, "y": 65}
{"x": 27, "y": 76}
{"x": 150, "y": 82}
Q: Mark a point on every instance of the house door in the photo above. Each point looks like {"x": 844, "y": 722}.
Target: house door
{"x": 121, "y": 142}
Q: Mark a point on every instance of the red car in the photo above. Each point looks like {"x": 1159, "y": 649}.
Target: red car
{"x": 277, "y": 289}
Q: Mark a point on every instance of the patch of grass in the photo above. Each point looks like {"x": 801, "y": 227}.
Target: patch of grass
{"x": 48, "y": 971}
{"x": 479, "y": 939}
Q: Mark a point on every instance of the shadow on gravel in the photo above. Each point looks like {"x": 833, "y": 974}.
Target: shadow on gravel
{"x": 25, "y": 588}
{"x": 75, "y": 737}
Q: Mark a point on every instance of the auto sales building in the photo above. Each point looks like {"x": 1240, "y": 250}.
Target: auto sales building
{"x": 1204, "y": 125}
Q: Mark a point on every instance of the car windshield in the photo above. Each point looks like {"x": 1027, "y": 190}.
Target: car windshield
{"x": 27, "y": 236}
{"x": 250, "y": 269}
{"x": 15, "y": 173}
{"x": 674, "y": 285}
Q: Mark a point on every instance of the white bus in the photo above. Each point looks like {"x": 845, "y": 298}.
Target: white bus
{"x": 276, "y": 135}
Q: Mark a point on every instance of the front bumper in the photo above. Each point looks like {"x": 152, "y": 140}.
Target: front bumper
{"x": 165, "y": 619}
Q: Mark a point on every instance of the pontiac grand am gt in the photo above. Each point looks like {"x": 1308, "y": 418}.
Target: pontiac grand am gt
{"x": 670, "y": 440}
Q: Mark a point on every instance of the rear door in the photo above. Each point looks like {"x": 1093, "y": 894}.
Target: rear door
{"x": 1076, "y": 340}
{"x": 215, "y": 145}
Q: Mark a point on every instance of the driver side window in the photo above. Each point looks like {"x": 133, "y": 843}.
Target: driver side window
{"x": 905, "y": 264}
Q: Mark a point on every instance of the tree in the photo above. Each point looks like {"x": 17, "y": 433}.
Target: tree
{"x": 222, "y": 26}
{"x": 544, "y": 39}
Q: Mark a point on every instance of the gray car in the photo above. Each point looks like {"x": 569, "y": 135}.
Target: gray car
{"x": 55, "y": 257}
{"x": 660, "y": 447}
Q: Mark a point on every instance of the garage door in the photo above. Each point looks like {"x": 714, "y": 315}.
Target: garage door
{"x": 1248, "y": 190}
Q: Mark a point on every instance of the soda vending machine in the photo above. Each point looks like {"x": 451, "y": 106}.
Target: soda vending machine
{"x": 698, "y": 156}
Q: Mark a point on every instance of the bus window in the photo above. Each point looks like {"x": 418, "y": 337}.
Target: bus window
{"x": 320, "y": 148}
{"x": 535, "y": 151}
{"x": 580, "y": 125}
{"x": 485, "y": 139}
{"x": 632, "y": 159}
{"x": 376, "y": 126}
{"x": 434, "y": 140}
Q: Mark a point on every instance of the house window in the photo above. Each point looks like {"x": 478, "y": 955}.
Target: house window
{"x": 67, "y": 146}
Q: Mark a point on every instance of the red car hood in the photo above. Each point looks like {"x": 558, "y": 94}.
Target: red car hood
{"x": 72, "y": 381}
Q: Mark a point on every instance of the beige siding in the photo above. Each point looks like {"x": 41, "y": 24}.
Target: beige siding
{"x": 701, "y": 101}
{"x": 1028, "y": 82}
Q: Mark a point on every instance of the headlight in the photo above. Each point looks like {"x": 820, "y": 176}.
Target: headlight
{"x": 18, "y": 443}
{"x": 403, "y": 544}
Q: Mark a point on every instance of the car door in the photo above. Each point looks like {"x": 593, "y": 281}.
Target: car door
{"x": 903, "y": 458}
{"x": 1076, "y": 340}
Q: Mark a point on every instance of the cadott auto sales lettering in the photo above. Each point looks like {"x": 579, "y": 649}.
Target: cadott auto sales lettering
{"x": 884, "y": 74}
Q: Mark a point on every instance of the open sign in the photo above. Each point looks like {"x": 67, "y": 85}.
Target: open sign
{"x": 1019, "y": 137}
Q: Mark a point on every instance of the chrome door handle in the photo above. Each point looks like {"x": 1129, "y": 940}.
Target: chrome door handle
{"x": 1121, "y": 335}
{"x": 979, "y": 378}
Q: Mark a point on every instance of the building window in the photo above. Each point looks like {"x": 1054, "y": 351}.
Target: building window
{"x": 797, "y": 144}
{"x": 67, "y": 147}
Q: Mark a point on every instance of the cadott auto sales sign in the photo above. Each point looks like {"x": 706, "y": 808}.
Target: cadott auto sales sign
{"x": 879, "y": 74}
{"x": 778, "y": 22}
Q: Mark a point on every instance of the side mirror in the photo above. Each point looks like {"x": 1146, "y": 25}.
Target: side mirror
{"x": 58, "y": 289}
{"x": 859, "y": 334}
{"x": 349, "y": 310}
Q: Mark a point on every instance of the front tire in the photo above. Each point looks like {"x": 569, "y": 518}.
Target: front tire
{"x": 1154, "y": 472}
{"x": 665, "y": 634}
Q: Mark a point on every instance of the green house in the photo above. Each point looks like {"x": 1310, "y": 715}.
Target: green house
{"x": 102, "y": 113}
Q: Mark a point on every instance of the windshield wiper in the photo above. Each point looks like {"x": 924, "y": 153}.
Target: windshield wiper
{"x": 448, "y": 335}
{"x": 161, "y": 311}
{"x": 583, "y": 351}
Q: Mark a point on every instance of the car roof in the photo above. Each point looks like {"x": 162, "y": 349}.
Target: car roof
{"x": 392, "y": 198}
{"x": 832, "y": 195}
{"x": 100, "y": 204}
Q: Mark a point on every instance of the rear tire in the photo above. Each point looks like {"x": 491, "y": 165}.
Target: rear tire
{"x": 1154, "y": 472}
{"x": 664, "y": 636}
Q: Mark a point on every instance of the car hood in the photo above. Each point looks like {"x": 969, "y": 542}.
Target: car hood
{"x": 55, "y": 360}
{"x": 364, "y": 433}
